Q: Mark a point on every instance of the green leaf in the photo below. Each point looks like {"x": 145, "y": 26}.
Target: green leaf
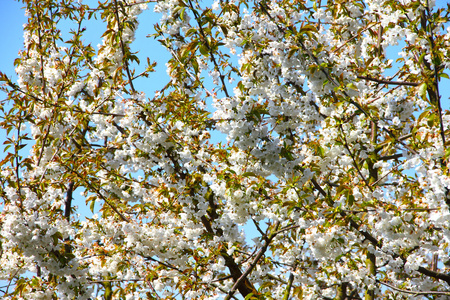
{"x": 191, "y": 31}
{"x": 249, "y": 296}
{"x": 444, "y": 75}
{"x": 422, "y": 90}
{"x": 182, "y": 11}
{"x": 224, "y": 29}
{"x": 92, "y": 206}
{"x": 432, "y": 120}
{"x": 352, "y": 86}
{"x": 447, "y": 152}
{"x": 350, "y": 200}
{"x": 203, "y": 50}
{"x": 307, "y": 28}
{"x": 6, "y": 159}
{"x": 421, "y": 57}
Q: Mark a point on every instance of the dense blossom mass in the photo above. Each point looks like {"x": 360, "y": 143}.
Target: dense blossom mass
{"x": 333, "y": 181}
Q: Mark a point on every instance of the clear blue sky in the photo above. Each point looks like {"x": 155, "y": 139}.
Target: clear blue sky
{"x": 11, "y": 31}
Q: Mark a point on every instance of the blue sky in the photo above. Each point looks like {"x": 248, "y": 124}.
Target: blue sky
{"x": 11, "y": 20}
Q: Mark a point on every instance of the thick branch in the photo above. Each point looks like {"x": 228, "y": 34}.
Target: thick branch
{"x": 68, "y": 202}
{"x": 289, "y": 287}
{"x": 436, "y": 275}
{"x": 342, "y": 291}
{"x": 260, "y": 253}
{"x": 244, "y": 287}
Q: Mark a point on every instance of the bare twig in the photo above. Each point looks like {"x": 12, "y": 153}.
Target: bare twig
{"x": 406, "y": 83}
{"x": 353, "y": 37}
{"x": 163, "y": 263}
{"x": 413, "y": 292}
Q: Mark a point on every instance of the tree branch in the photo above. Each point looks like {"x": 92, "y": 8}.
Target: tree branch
{"x": 406, "y": 83}
{"x": 208, "y": 46}
{"x": 98, "y": 192}
{"x": 252, "y": 264}
{"x": 289, "y": 286}
{"x": 68, "y": 202}
{"x": 436, "y": 82}
{"x": 413, "y": 292}
{"x": 122, "y": 46}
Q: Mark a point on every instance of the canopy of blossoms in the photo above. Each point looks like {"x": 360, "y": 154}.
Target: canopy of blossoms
{"x": 335, "y": 162}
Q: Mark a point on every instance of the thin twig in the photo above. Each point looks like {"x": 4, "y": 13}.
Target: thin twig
{"x": 122, "y": 46}
{"x": 405, "y": 83}
{"x": 98, "y": 192}
{"x": 413, "y": 292}
{"x": 208, "y": 46}
{"x": 163, "y": 263}
{"x": 436, "y": 79}
{"x": 353, "y": 37}
{"x": 355, "y": 163}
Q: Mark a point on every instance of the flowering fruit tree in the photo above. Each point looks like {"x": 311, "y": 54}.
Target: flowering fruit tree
{"x": 336, "y": 158}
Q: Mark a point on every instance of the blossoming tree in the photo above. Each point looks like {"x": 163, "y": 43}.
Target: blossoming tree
{"x": 336, "y": 156}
